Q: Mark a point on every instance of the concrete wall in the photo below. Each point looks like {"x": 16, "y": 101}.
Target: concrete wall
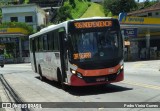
{"x": 41, "y": 18}
{"x": 18, "y": 9}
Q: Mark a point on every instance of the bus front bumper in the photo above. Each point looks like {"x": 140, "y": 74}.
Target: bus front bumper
{"x": 76, "y": 81}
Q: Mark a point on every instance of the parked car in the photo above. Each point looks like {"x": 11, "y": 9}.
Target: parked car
{"x": 1, "y": 56}
{"x": 1, "y": 60}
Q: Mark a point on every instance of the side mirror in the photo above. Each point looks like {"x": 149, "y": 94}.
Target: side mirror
{"x": 66, "y": 41}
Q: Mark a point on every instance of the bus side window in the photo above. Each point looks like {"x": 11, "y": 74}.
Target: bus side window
{"x": 56, "y": 41}
{"x": 45, "y": 42}
{"x": 50, "y": 41}
{"x": 36, "y": 44}
{"x": 41, "y": 43}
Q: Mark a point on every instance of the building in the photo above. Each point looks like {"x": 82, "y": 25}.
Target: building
{"x": 153, "y": 11}
{"x": 142, "y": 33}
{"x": 16, "y": 40}
{"x": 28, "y": 13}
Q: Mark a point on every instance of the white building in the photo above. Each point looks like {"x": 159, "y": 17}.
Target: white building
{"x": 28, "y": 13}
{"x": 31, "y": 14}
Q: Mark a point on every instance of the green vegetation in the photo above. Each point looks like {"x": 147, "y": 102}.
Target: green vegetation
{"x": 118, "y": 6}
{"x": 26, "y": 1}
{"x": 17, "y": 25}
{"x": 149, "y": 3}
{"x": 0, "y": 14}
{"x": 114, "y": 7}
{"x": 63, "y": 13}
{"x": 80, "y": 8}
{"x": 94, "y": 10}
{"x": 72, "y": 9}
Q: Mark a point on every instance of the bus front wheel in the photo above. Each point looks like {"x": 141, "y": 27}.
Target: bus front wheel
{"x": 60, "y": 80}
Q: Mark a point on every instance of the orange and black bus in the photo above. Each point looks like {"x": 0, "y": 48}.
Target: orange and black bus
{"x": 79, "y": 52}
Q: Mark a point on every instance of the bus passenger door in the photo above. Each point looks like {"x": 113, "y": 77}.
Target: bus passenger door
{"x": 63, "y": 54}
{"x": 34, "y": 56}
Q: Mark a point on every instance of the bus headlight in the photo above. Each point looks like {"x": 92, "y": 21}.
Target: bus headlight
{"x": 77, "y": 73}
{"x": 121, "y": 66}
{"x": 73, "y": 71}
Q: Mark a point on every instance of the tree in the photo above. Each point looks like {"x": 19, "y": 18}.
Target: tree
{"x": 0, "y": 15}
{"x": 148, "y": 3}
{"x": 72, "y": 3}
{"x": 64, "y": 12}
{"x": 117, "y": 6}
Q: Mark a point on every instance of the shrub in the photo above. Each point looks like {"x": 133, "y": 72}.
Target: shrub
{"x": 17, "y": 25}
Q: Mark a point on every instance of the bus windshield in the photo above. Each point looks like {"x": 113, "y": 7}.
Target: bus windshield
{"x": 96, "y": 45}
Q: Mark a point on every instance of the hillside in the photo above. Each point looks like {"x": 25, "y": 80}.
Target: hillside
{"x": 79, "y": 9}
{"x": 94, "y": 10}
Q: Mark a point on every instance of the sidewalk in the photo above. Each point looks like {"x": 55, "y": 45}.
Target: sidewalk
{"x": 148, "y": 64}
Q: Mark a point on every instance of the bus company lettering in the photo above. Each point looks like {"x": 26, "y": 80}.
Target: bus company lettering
{"x": 93, "y": 24}
{"x": 82, "y": 55}
{"x": 134, "y": 19}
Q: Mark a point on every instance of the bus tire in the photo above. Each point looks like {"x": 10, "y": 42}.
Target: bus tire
{"x": 2, "y": 66}
{"x": 40, "y": 73}
{"x": 59, "y": 76}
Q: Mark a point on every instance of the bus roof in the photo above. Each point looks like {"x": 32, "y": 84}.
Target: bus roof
{"x": 64, "y": 24}
{"x": 92, "y": 18}
{"x": 48, "y": 29}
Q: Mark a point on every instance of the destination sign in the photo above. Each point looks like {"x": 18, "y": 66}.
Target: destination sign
{"x": 93, "y": 24}
{"x": 82, "y": 55}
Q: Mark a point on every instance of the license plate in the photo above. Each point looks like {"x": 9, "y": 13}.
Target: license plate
{"x": 100, "y": 79}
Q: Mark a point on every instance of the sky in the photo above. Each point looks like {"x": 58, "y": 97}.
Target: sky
{"x": 141, "y": 0}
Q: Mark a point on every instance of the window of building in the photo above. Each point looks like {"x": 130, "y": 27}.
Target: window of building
{"x": 149, "y": 14}
{"x": 156, "y": 13}
{"x": 28, "y": 19}
{"x": 14, "y": 19}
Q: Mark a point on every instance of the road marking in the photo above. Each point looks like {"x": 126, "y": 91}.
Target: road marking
{"x": 142, "y": 85}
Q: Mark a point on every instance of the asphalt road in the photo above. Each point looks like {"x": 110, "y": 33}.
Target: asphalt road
{"x": 141, "y": 84}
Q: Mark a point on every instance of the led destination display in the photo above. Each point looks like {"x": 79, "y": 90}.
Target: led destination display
{"x": 93, "y": 24}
